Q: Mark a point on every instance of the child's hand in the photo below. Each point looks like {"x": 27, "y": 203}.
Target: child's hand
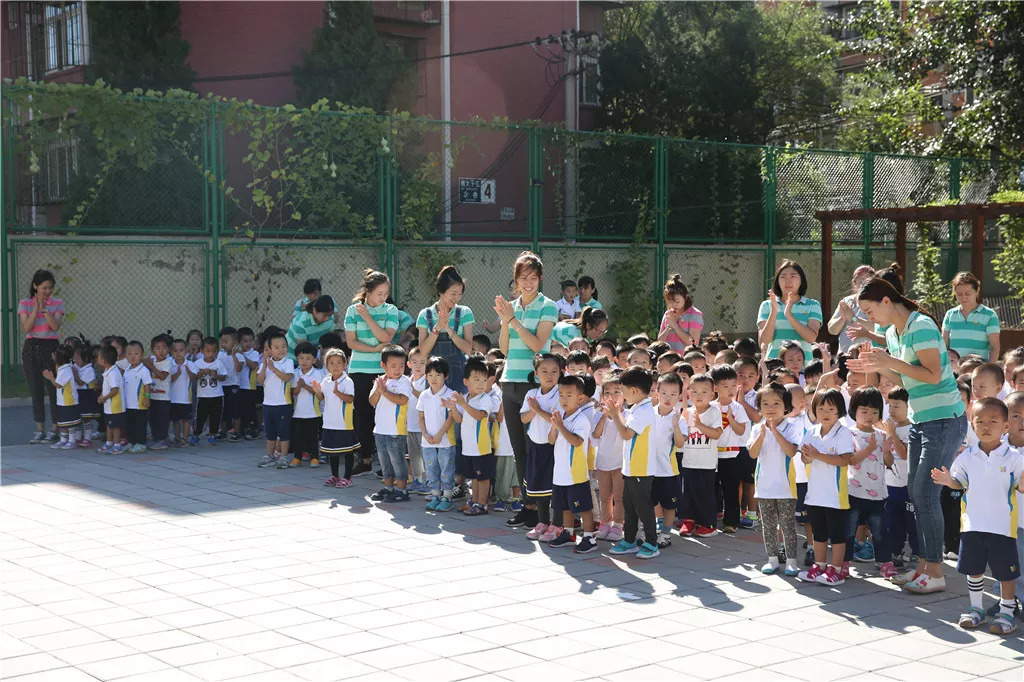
{"x": 534, "y": 404}
{"x": 942, "y": 477}
{"x": 266, "y": 354}
{"x": 556, "y": 418}
{"x": 450, "y": 403}
{"x": 300, "y": 383}
{"x": 459, "y": 399}
{"x": 48, "y": 374}
{"x": 809, "y": 452}
{"x": 381, "y": 384}
{"x": 315, "y": 386}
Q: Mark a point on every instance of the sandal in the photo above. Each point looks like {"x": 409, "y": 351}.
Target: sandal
{"x": 1003, "y": 624}
{"x": 475, "y": 510}
{"x": 343, "y": 483}
{"x": 971, "y": 618}
{"x": 331, "y": 482}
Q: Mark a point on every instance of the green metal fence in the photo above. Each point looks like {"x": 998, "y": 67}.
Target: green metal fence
{"x": 205, "y": 246}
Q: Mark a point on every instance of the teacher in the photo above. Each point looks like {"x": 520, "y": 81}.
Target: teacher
{"x": 446, "y": 328}
{"x": 917, "y": 358}
{"x": 526, "y": 325}
{"x": 40, "y": 316}
{"x": 848, "y": 311}
{"x": 317, "y": 320}
{"x": 591, "y": 325}
{"x": 788, "y": 315}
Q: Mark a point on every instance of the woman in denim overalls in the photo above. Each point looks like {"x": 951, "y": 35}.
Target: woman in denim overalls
{"x": 446, "y": 328}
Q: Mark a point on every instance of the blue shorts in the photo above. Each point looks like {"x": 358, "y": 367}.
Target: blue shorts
{"x": 540, "y": 468}
{"x": 114, "y": 421}
{"x": 666, "y": 491}
{"x": 575, "y": 498}
{"x": 481, "y": 467}
{"x": 277, "y": 422}
{"x": 997, "y": 552}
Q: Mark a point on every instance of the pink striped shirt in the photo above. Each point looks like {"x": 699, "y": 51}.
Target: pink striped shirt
{"x": 41, "y": 328}
{"x": 691, "y": 322}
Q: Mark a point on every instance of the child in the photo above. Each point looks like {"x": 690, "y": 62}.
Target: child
{"x": 635, "y": 426}
{"x": 666, "y": 361}
{"x": 867, "y": 489}
{"x": 390, "y": 398}
{"x": 570, "y": 434}
{"x": 275, "y": 375}
{"x": 825, "y": 451}
{"x": 506, "y": 481}
{"x": 472, "y": 412}
{"x": 990, "y": 473}
{"x": 69, "y": 412}
{"x": 338, "y": 437}
{"x": 588, "y": 294}
{"x": 208, "y": 372}
{"x": 700, "y": 459}
{"x": 481, "y": 344}
{"x": 231, "y": 418}
{"x": 307, "y": 417}
{"x": 568, "y": 308}
{"x": 801, "y": 421}
{"x": 137, "y": 385}
{"x": 733, "y": 458}
{"x": 622, "y": 352}
{"x": 608, "y": 464}
{"x": 639, "y": 341}
{"x": 414, "y": 438}
{"x": 181, "y": 393}
{"x": 682, "y": 323}
{"x": 792, "y": 355}
{"x": 83, "y": 359}
{"x": 696, "y": 360}
{"x": 247, "y": 359}
{"x": 160, "y": 365}
{"x": 901, "y": 525}
{"x": 666, "y": 489}
{"x": 639, "y": 357}
{"x": 1015, "y": 437}
{"x": 112, "y": 400}
{"x": 438, "y": 435}
{"x": 540, "y": 402}
{"x": 121, "y": 344}
{"x": 773, "y": 445}
{"x": 578, "y": 363}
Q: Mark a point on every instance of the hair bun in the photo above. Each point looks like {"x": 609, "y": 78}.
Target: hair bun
{"x": 895, "y": 268}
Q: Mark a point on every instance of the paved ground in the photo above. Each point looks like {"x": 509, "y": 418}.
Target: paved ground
{"x": 195, "y": 564}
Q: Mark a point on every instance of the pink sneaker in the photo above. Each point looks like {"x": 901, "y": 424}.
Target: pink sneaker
{"x": 536, "y": 532}
{"x": 844, "y": 573}
{"x": 888, "y": 570}
{"x": 615, "y": 534}
{"x": 830, "y": 577}
{"x": 85, "y": 443}
{"x": 331, "y": 482}
{"x": 602, "y": 532}
{"x": 551, "y": 533}
{"x": 343, "y": 482}
{"x": 810, "y": 575}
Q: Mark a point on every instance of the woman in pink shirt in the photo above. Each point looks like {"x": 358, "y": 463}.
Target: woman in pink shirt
{"x": 683, "y": 322}
{"x": 40, "y": 316}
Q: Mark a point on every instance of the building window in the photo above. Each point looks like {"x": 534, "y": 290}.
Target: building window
{"x": 590, "y": 81}
{"x": 411, "y": 49}
{"x": 58, "y": 169}
{"x": 64, "y": 35}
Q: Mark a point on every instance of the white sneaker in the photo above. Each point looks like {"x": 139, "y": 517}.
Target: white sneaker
{"x": 925, "y": 584}
{"x": 536, "y": 532}
{"x": 59, "y": 444}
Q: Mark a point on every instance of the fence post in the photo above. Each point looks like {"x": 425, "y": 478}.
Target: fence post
{"x": 661, "y": 220}
{"x": 214, "y": 217}
{"x": 534, "y": 186}
{"x": 771, "y": 185}
{"x": 6, "y": 197}
{"x": 953, "y": 263}
{"x": 388, "y": 189}
{"x": 867, "y": 200}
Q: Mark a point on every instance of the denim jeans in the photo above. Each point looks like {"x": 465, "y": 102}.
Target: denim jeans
{"x": 391, "y": 451}
{"x": 872, "y": 514}
{"x": 932, "y": 445}
{"x": 439, "y": 464}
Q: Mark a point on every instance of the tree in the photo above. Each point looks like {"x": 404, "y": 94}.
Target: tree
{"x": 881, "y": 116}
{"x": 138, "y": 45}
{"x": 722, "y": 71}
{"x": 972, "y": 47}
{"x": 350, "y": 62}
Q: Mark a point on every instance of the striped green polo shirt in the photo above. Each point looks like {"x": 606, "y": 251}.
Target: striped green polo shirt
{"x": 805, "y": 310}
{"x": 928, "y": 402}
{"x": 970, "y": 335}
{"x": 465, "y": 317}
{"x": 564, "y": 332}
{"x": 519, "y": 362}
{"x": 404, "y": 322}
{"x": 386, "y": 317}
{"x": 305, "y": 328}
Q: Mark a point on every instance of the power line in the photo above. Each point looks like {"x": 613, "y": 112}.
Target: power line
{"x": 564, "y": 38}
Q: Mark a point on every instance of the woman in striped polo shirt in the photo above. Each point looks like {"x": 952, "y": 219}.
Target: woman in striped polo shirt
{"x": 370, "y": 324}
{"x": 971, "y": 327}
{"x": 311, "y": 324}
{"x": 526, "y": 325}
{"x": 917, "y": 358}
{"x": 788, "y": 315}
{"x": 40, "y": 316}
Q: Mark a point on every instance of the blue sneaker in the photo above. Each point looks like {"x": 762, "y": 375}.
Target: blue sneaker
{"x": 661, "y": 524}
{"x": 499, "y": 507}
{"x": 516, "y": 507}
{"x": 647, "y": 551}
{"x": 432, "y": 504}
{"x": 769, "y": 568}
{"x": 625, "y": 547}
{"x": 444, "y": 505}
{"x": 856, "y": 545}
{"x": 194, "y": 440}
{"x": 746, "y": 523}
{"x": 115, "y": 449}
{"x": 791, "y": 571}
{"x": 212, "y": 440}
{"x": 105, "y": 448}
{"x": 865, "y": 554}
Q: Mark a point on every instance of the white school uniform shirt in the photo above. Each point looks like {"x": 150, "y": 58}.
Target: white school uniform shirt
{"x": 571, "y": 465}
{"x": 570, "y": 308}
{"x": 67, "y": 391}
{"x": 112, "y": 379}
{"x": 504, "y": 448}
{"x": 538, "y": 429}
{"x": 898, "y": 474}
{"x": 476, "y": 433}
{"x": 135, "y": 379}
{"x": 413, "y": 422}
{"x": 275, "y": 390}
{"x": 338, "y": 415}
{"x": 751, "y": 398}
{"x": 636, "y": 451}
{"x": 803, "y": 424}
{"x": 162, "y": 387}
{"x": 827, "y": 484}
{"x": 867, "y": 479}
{"x": 609, "y": 447}
{"x": 231, "y": 374}
{"x": 775, "y": 473}
{"x": 700, "y": 451}
{"x": 663, "y": 445}
{"x": 307, "y": 405}
{"x": 392, "y": 419}
{"x": 730, "y": 443}
{"x": 180, "y": 393}
{"x": 122, "y": 365}
{"x": 990, "y": 503}
{"x": 246, "y": 376}
{"x": 1006, "y": 390}
{"x": 209, "y": 386}
{"x": 86, "y": 377}
{"x": 434, "y": 416}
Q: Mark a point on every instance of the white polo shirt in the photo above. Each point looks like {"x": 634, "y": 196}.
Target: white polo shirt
{"x": 775, "y": 474}
{"x": 434, "y": 416}
{"x": 636, "y": 452}
{"x": 730, "y": 443}
{"x": 571, "y": 462}
{"x": 827, "y": 484}
{"x": 701, "y": 451}
{"x": 391, "y": 418}
{"x": 990, "y": 503}
{"x": 538, "y": 429}
{"x": 276, "y": 391}
{"x": 663, "y": 444}
{"x": 307, "y": 405}
{"x": 338, "y": 415}
{"x": 476, "y": 434}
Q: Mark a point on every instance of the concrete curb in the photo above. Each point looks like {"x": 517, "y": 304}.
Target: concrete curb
{"x": 15, "y": 402}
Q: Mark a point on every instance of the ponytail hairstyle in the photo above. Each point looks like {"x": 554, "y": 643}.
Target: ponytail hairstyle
{"x": 588, "y": 319}
{"x": 526, "y": 262}
{"x": 876, "y": 288}
{"x": 675, "y": 287}
{"x": 893, "y": 275}
{"x": 447, "y": 278}
{"x": 371, "y": 280}
{"x": 588, "y": 281}
{"x": 969, "y": 279}
{"x": 38, "y": 278}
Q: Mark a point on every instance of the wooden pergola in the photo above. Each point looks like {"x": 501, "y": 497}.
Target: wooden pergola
{"x": 975, "y": 214}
